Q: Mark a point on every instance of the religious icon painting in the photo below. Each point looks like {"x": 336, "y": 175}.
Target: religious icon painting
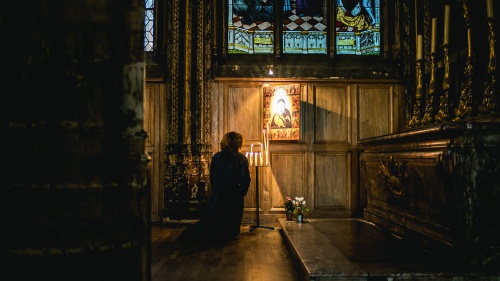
{"x": 282, "y": 112}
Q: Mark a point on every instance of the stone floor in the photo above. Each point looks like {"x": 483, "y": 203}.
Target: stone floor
{"x": 353, "y": 249}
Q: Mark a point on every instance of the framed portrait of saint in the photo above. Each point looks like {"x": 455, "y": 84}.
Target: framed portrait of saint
{"x": 282, "y": 111}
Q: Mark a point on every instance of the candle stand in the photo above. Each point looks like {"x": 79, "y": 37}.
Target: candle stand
{"x": 257, "y": 160}
{"x": 257, "y": 214}
{"x": 415, "y": 120}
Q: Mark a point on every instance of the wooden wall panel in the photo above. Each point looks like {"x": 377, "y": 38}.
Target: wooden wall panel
{"x": 217, "y": 109}
{"x": 244, "y": 112}
{"x": 149, "y": 113}
{"x": 153, "y": 118}
{"x": 250, "y": 197}
{"x": 375, "y": 110}
{"x": 332, "y": 113}
{"x": 332, "y": 178}
{"x": 288, "y": 177}
{"x": 321, "y": 165}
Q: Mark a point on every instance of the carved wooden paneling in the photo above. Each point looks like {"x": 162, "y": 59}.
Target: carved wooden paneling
{"x": 375, "y": 110}
{"x": 288, "y": 177}
{"x": 243, "y": 112}
{"x": 438, "y": 185}
{"x": 332, "y": 178}
{"x": 332, "y": 113}
{"x": 408, "y": 184}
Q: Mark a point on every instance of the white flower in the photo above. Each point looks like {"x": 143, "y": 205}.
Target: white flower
{"x": 300, "y": 205}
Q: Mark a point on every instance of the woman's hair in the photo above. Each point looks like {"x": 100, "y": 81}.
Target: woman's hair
{"x": 232, "y": 140}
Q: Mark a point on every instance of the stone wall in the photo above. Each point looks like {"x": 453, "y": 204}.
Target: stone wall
{"x": 74, "y": 192}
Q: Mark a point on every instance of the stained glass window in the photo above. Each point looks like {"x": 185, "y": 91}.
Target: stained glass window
{"x": 357, "y": 27}
{"x": 148, "y": 25}
{"x": 305, "y": 27}
{"x": 250, "y": 27}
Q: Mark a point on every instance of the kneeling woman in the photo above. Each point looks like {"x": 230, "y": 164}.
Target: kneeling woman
{"x": 229, "y": 181}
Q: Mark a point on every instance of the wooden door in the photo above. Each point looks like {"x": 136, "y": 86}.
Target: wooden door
{"x": 153, "y": 125}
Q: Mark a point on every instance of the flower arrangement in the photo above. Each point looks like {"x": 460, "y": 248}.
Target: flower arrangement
{"x": 300, "y": 207}
{"x": 289, "y": 205}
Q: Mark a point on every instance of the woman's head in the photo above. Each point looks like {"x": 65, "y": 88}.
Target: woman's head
{"x": 232, "y": 140}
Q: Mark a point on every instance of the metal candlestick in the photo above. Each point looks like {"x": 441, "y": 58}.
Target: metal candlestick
{"x": 464, "y": 108}
{"x": 443, "y": 110}
{"x": 489, "y": 104}
{"x": 257, "y": 207}
{"x": 429, "y": 107}
{"x": 415, "y": 119}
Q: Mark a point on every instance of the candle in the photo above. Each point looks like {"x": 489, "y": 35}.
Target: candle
{"x": 264, "y": 137}
{"x": 267, "y": 158}
{"x": 268, "y": 135}
{"x": 256, "y": 159}
{"x": 251, "y": 148}
{"x": 489, "y": 8}
{"x": 419, "y": 47}
{"x": 267, "y": 140}
{"x": 433, "y": 35}
{"x": 446, "y": 24}
{"x": 251, "y": 158}
{"x": 261, "y": 161}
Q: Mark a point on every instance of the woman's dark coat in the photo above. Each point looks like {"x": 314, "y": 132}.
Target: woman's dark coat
{"x": 229, "y": 181}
